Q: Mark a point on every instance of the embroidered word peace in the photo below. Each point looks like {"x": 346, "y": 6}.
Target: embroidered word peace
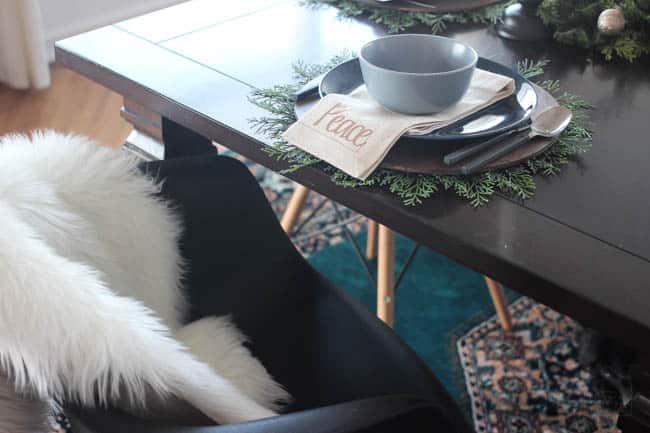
{"x": 349, "y": 130}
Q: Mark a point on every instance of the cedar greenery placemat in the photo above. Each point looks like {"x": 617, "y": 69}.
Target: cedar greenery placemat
{"x": 615, "y": 28}
{"x": 412, "y": 189}
{"x": 397, "y": 20}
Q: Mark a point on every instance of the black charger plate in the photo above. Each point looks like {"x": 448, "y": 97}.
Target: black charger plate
{"x": 502, "y": 116}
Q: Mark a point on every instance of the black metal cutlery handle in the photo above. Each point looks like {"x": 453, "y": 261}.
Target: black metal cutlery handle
{"x": 467, "y": 151}
{"x": 496, "y": 152}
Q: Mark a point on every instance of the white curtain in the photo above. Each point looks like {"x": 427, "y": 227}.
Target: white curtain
{"x": 23, "y": 54}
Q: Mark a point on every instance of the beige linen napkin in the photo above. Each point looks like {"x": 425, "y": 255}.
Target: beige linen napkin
{"x": 354, "y": 133}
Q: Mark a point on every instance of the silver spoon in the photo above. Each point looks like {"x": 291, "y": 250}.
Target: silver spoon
{"x": 549, "y": 123}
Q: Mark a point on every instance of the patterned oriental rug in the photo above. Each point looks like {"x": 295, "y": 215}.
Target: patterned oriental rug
{"x": 528, "y": 381}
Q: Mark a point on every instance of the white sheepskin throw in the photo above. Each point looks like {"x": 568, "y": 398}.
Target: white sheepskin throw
{"x": 90, "y": 277}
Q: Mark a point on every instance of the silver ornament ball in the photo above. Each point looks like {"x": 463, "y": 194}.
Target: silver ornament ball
{"x": 611, "y": 22}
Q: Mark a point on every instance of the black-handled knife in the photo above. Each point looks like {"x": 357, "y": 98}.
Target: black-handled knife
{"x": 548, "y": 123}
{"x": 511, "y": 143}
{"x": 472, "y": 149}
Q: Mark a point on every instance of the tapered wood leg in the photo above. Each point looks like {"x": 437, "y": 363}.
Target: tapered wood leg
{"x": 386, "y": 275}
{"x": 500, "y": 304}
{"x": 371, "y": 242}
{"x": 294, "y": 207}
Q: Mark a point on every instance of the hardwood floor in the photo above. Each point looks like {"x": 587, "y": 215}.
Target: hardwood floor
{"x": 72, "y": 104}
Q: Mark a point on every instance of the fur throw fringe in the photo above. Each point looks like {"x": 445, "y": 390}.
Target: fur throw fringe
{"x": 92, "y": 303}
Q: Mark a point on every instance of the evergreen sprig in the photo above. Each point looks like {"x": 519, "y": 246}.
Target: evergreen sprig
{"x": 574, "y": 23}
{"x": 397, "y": 21}
{"x": 412, "y": 188}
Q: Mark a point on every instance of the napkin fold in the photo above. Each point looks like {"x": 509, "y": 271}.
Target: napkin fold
{"x": 354, "y": 132}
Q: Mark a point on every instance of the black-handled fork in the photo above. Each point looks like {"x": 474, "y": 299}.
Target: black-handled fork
{"x": 472, "y": 149}
{"x": 509, "y": 144}
{"x": 549, "y": 123}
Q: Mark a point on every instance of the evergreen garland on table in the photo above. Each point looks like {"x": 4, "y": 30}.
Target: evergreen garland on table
{"x": 574, "y": 22}
{"x": 412, "y": 189}
{"x": 396, "y": 20}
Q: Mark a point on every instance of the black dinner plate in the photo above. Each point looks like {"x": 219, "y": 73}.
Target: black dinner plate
{"x": 501, "y": 116}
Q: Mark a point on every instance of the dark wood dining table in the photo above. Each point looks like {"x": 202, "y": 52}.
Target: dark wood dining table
{"x": 581, "y": 245}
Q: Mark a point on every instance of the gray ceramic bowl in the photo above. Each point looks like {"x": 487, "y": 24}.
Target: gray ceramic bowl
{"x": 417, "y": 74}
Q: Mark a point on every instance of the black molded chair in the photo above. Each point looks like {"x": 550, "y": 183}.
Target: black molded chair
{"x": 347, "y": 371}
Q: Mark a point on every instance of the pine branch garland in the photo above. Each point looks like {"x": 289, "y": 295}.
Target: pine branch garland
{"x": 516, "y": 182}
{"x": 574, "y": 23}
{"x": 397, "y": 21}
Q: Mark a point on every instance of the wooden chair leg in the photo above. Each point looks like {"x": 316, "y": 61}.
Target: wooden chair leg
{"x": 294, "y": 207}
{"x": 500, "y": 304}
{"x": 371, "y": 243}
{"x": 386, "y": 275}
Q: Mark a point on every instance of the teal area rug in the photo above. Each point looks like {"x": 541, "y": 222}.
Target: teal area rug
{"x": 437, "y": 302}
{"x": 526, "y": 381}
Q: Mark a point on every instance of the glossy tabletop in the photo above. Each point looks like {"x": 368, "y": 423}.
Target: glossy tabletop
{"x": 581, "y": 245}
